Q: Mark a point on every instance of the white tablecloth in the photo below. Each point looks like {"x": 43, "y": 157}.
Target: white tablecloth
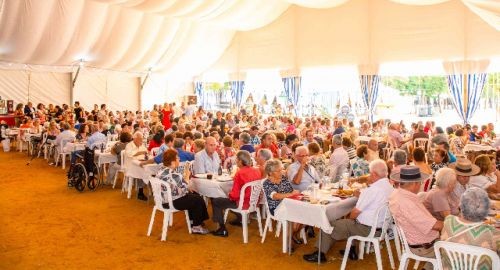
{"x": 316, "y": 215}
{"x": 105, "y": 158}
{"x": 211, "y": 188}
{"x": 477, "y": 147}
{"x": 70, "y": 147}
{"x": 134, "y": 170}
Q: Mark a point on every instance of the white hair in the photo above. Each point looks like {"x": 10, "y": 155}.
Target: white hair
{"x": 138, "y": 134}
{"x": 301, "y": 148}
{"x": 445, "y": 177}
{"x": 379, "y": 167}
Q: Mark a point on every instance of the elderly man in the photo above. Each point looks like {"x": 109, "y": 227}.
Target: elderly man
{"x": 245, "y": 174}
{"x": 97, "y": 139}
{"x": 373, "y": 153}
{"x": 133, "y": 149}
{"x": 339, "y": 160}
{"x": 361, "y": 217}
{"x": 262, "y": 156}
{"x": 399, "y": 160}
{"x": 420, "y": 227}
{"x": 207, "y": 160}
{"x": 300, "y": 173}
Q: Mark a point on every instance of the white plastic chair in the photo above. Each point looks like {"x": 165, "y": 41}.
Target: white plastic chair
{"x": 157, "y": 186}
{"x": 372, "y": 239}
{"x": 406, "y": 253}
{"x": 62, "y": 154}
{"x": 122, "y": 170}
{"x": 464, "y": 257}
{"x": 268, "y": 224}
{"x": 255, "y": 192}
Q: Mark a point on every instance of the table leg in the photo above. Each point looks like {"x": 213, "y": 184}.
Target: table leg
{"x": 319, "y": 251}
{"x": 285, "y": 235}
{"x": 289, "y": 236}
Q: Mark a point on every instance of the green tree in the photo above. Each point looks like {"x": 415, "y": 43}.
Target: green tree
{"x": 427, "y": 86}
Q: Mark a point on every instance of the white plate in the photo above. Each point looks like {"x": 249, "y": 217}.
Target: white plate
{"x": 201, "y": 175}
{"x": 223, "y": 178}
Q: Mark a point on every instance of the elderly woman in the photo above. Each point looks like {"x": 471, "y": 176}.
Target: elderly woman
{"x": 245, "y": 141}
{"x": 276, "y": 188}
{"x": 361, "y": 167}
{"x": 488, "y": 176}
{"x": 468, "y": 228}
{"x": 438, "y": 200}
{"x": 286, "y": 150}
{"x": 261, "y": 158}
{"x": 199, "y": 145}
{"x": 182, "y": 198}
{"x": 440, "y": 159}
{"x": 317, "y": 159}
{"x": 268, "y": 142}
{"x": 83, "y": 132}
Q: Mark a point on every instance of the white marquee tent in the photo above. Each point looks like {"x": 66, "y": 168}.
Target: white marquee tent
{"x": 42, "y": 42}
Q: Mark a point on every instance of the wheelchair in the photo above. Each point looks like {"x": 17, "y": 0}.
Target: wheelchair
{"x": 85, "y": 171}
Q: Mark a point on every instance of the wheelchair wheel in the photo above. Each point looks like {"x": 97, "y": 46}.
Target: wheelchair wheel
{"x": 93, "y": 181}
{"x": 79, "y": 177}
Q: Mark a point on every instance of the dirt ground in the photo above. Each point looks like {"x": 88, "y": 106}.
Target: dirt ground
{"x": 45, "y": 225}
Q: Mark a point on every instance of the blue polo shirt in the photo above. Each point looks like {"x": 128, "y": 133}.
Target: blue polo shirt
{"x": 184, "y": 155}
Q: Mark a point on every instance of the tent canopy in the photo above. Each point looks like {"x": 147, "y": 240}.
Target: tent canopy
{"x": 184, "y": 38}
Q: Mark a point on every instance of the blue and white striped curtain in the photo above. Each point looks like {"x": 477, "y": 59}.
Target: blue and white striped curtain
{"x": 369, "y": 90}
{"x": 237, "y": 88}
{"x": 198, "y": 90}
{"x": 292, "y": 86}
{"x": 466, "y": 90}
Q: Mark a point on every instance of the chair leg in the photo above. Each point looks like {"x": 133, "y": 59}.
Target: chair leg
{"x": 278, "y": 228}
{"x": 188, "y": 221}
{"x": 389, "y": 251}
{"x": 171, "y": 219}
{"x": 151, "y": 222}
{"x": 166, "y": 220}
{"x": 259, "y": 221}
{"x": 396, "y": 242}
{"x": 346, "y": 253}
{"x": 361, "y": 251}
{"x": 115, "y": 178}
{"x": 403, "y": 262}
{"x": 244, "y": 222}
{"x": 129, "y": 187}
{"x": 415, "y": 266}
{"x": 63, "y": 162}
{"x": 57, "y": 159}
{"x": 266, "y": 226}
{"x": 378, "y": 256}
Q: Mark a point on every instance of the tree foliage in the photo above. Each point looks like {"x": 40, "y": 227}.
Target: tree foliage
{"x": 428, "y": 86}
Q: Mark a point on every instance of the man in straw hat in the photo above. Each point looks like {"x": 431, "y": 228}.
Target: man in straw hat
{"x": 464, "y": 169}
{"x": 419, "y": 226}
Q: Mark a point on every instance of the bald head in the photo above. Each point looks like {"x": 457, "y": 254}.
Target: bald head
{"x": 210, "y": 145}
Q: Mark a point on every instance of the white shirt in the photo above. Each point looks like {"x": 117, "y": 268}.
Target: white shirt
{"x": 371, "y": 199}
{"x": 206, "y": 164}
{"x": 338, "y": 163}
{"x": 482, "y": 181}
{"x": 131, "y": 149}
{"x": 309, "y": 176}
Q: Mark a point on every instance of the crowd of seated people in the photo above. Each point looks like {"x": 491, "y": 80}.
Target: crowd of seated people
{"x": 292, "y": 153}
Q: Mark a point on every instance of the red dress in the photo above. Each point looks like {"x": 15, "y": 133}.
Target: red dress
{"x": 166, "y": 119}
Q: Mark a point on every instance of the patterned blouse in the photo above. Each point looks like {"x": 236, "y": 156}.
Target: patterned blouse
{"x": 435, "y": 167}
{"x": 457, "y": 145}
{"x": 175, "y": 180}
{"x": 319, "y": 163}
{"x": 270, "y": 188}
{"x": 360, "y": 167}
{"x": 483, "y": 235}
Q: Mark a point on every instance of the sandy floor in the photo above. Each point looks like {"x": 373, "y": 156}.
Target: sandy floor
{"x": 45, "y": 225}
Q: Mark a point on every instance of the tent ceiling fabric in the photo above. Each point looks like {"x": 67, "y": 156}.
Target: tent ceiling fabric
{"x": 185, "y": 37}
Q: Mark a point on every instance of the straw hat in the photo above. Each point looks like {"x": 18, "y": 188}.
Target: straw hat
{"x": 409, "y": 174}
{"x": 464, "y": 167}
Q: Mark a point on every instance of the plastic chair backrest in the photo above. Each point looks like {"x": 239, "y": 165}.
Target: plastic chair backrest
{"x": 123, "y": 157}
{"x": 63, "y": 144}
{"x": 464, "y": 257}
{"x": 256, "y": 189}
{"x": 386, "y": 216}
{"x": 160, "y": 190}
{"x": 265, "y": 199}
{"x": 402, "y": 238}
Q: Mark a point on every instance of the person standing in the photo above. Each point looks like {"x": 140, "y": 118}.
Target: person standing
{"x": 166, "y": 113}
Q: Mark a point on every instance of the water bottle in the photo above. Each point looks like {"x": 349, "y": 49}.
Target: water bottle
{"x": 102, "y": 148}
{"x": 220, "y": 170}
